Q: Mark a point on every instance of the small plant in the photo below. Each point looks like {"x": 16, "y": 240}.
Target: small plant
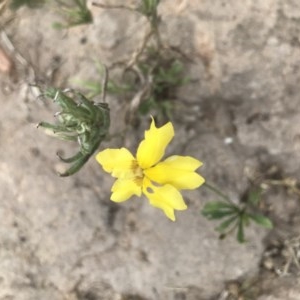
{"x": 79, "y": 120}
{"x": 158, "y": 72}
{"x": 149, "y": 9}
{"x": 164, "y": 73}
{"x": 74, "y": 14}
{"x": 235, "y": 217}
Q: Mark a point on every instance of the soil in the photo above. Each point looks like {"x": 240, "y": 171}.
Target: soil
{"x": 62, "y": 238}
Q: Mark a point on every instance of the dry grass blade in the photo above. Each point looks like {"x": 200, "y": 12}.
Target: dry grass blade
{"x": 6, "y": 63}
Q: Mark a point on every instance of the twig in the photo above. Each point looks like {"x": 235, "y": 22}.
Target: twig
{"x": 113, "y": 6}
{"x": 137, "y": 53}
{"x": 104, "y": 84}
{"x": 290, "y": 183}
{"x": 18, "y": 56}
{"x": 218, "y": 192}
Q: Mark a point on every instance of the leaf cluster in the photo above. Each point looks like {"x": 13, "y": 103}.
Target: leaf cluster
{"x": 76, "y": 13}
{"x": 165, "y": 73}
{"x": 79, "y": 120}
{"x": 149, "y": 8}
{"x": 236, "y": 217}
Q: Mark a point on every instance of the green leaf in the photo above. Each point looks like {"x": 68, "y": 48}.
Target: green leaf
{"x": 226, "y": 223}
{"x": 148, "y": 7}
{"x": 254, "y": 196}
{"x": 218, "y": 210}
{"x": 176, "y": 68}
{"x": 261, "y": 220}
{"x": 214, "y": 205}
{"x": 217, "y": 214}
{"x": 57, "y": 25}
{"x": 146, "y": 106}
{"x": 75, "y": 14}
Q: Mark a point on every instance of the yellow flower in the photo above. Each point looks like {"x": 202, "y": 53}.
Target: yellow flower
{"x": 159, "y": 181}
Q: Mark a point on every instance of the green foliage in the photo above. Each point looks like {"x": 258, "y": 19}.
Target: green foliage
{"x": 261, "y": 220}
{"x": 254, "y": 196}
{"x": 15, "y": 4}
{"x": 80, "y": 120}
{"x": 75, "y": 14}
{"x": 95, "y": 88}
{"x": 165, "y": 74}
{"x": 162, "y": 73}
{"x": 219, "y": 209}
{"x": 149, "y": 8}
{"x": 159, "y": 69}
{"x": 236, "y": 217}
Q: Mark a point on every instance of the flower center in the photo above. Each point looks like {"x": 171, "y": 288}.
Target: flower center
{"x": 138, "y": 173}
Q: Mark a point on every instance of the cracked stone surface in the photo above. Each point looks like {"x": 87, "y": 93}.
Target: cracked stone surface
{"x": 64, "y": 239}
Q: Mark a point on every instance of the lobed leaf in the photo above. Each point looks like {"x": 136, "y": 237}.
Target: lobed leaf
{"x": 261, "y": 220}
{"x": 224, "y": 225}
{"x": 218, "y": 210}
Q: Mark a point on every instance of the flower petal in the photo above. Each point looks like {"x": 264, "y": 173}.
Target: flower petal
{"x": 123, "y": 189}
{"x": 165, "y": 197}
{"x": 152, "y": 148}
{"x": 116, "y": 161}
{"x": 177, "y": 171}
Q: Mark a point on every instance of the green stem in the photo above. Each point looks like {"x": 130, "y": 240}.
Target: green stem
{"x": 219, "y": 193}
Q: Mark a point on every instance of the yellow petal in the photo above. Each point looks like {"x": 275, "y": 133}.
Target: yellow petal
{"x": 183, "y": 162}
{"x": 178, "y": 171}
{"x": 152, "y": 148}
{"x": 116, "y": 161}
{"x": 123, "y": 189}
{"x": 165, "y": 197}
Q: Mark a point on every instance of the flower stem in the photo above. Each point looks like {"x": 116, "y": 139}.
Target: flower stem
{"x": 219, "y": 193}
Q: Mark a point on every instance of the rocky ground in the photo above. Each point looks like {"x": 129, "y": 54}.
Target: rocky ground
{"x": 62, "y": 238}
